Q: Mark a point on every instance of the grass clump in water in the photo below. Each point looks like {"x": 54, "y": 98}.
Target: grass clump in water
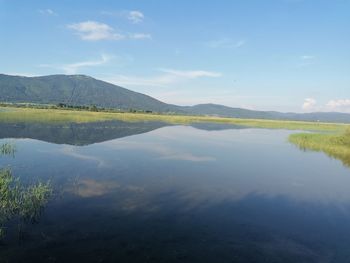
{"x": 334, "y": 145}
{"x": 8, "y": 149}
{"x": 19, "y": 201}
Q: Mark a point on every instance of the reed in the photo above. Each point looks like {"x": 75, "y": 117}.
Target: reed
{"x": 335, "y": 145}
{"x": 18, "y": 200}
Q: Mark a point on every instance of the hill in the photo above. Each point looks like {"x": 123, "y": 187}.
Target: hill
{"x": 81, "y": 90}
{"x": 224, "y": 111}
{"x": 75, "y": 90}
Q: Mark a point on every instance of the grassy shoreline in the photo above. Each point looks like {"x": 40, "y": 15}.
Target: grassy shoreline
{"x": 61, "y": 116}
{"x": 334, "y": 145}
{"x": 330, "y": 138}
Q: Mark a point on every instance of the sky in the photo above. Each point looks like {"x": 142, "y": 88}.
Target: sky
{"x": 283, "y": 55}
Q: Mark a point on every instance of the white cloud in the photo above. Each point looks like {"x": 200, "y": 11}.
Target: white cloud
{"x": 240, "y": 43}
{"x": 94, "y": 31}
{"x": 140, "y": 36}
{"x": 135, "y": 16}
{"x": 305, "y": 60}
{"x": 335, "y": 105}
{"x": 307, "y": 57}
{"x": 74, "y": 68}
{"x": 309, "y": 104}
{"x": 342, "y": 105}
{"x": 169, "y": 76}
{"x": 192, "y": 74}
{"x": 226, "y": 43}
{"x": 47, "y": 11}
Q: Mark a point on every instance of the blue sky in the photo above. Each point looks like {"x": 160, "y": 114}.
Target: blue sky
{"x": 285, "y": 55}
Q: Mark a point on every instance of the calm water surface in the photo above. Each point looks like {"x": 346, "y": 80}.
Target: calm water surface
{"x": 147, "y": 192}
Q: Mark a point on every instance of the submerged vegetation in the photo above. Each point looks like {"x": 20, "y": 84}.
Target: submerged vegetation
{"x": 334, "y": 145}
{"x": 72, "y": 116}
{"x": 18, "y": 201}
{"x": 8, "y": 149}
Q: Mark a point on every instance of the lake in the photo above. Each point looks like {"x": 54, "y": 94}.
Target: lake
{"x": 152, "y": 192}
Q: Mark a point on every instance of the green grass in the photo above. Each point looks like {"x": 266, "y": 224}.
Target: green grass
{"x": 334, "y": 145}
{"x": 18, "y": 200}
{"x": 66, "y": 116}
{"x": 7, "y": 149}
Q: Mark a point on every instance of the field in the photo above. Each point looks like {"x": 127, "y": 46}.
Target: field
{"x": 56, "y": 115}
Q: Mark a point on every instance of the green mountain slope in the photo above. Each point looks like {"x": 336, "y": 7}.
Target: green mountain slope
{"x": 75, "y": 90}
{"x": 82, "y": 90}
{"x": 224, "y": 111}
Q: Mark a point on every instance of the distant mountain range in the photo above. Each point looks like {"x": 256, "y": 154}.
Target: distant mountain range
{"x": 84, "y": 90}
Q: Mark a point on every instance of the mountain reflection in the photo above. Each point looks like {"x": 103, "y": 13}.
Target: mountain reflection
{"x": 88, "y": 133}
{"x": 76, "y": 133}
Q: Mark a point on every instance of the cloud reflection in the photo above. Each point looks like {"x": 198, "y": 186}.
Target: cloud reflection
{"x": 72, "y": 152}
{"x": 163, "y": 151}
{"x": 91, "y": 188}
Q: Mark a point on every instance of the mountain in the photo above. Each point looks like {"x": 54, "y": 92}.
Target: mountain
{"x": 224, "y": 111}
{"x": 82, "y": 90}
{"x": 75, "y": 90}
{"x": 220, "y": 110}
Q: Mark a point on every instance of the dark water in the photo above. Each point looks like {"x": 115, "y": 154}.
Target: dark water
{"x": 147, "y": 192}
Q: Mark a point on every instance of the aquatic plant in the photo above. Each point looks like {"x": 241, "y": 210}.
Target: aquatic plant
{"x": 17, "y": 200}
{"x": 334, "y": 145}
{"x": 8, "y": 149}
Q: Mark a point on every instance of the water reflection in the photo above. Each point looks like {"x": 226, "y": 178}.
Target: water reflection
{"x": 89, "y": 133}
{"x": 76, "y": 133}
{"x": 182, "y": 194}
{"x": 90, "y": 188}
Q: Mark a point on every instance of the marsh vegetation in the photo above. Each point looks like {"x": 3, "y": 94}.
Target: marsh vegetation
{"x": 72, "y": 116}
{"x": 334, "y": 145}
{"x": 7, "y": 149}
{"x": 19, "y": 201}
